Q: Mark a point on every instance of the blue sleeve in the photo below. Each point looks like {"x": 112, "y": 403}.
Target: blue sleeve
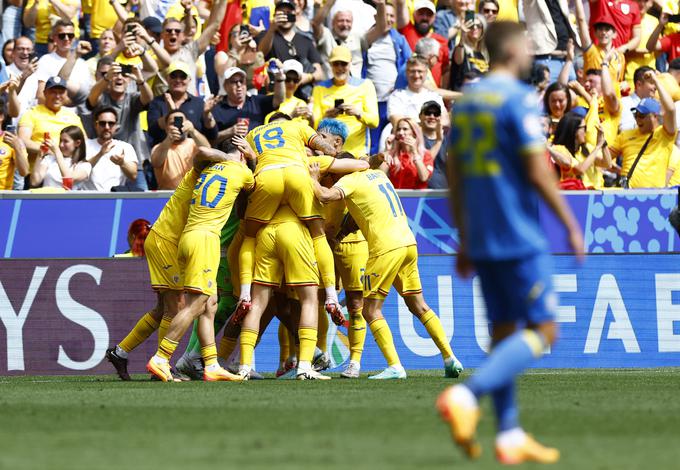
{"x": 522, "y": 112}
{"x": 442, "y": 22}
{"x": 156, "y": 110}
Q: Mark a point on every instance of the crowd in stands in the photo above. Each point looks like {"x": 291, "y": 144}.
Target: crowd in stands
{"x": 117, "y": 95}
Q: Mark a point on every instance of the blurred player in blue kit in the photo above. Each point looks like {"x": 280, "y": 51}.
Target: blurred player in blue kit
{"x": 498, "y": 170}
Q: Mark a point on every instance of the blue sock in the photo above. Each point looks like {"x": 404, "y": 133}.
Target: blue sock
{"x": 507, "y": 414}
{"x": 510, "y": 357}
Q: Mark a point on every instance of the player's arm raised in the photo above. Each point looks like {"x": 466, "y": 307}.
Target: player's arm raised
{"x": 324, "y": 195}
{"x": 207, "y": 155}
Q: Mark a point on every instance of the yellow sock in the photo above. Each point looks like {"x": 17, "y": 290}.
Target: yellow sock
{"x": 322, "y": 332}
{"x": 142, "y": 330}
{"x": 284, "y": 344}
{"x": 209, "y": 354}
{"x": 227, "y": 346}
{"x": 431, "y": 322}
{"x": 163, "y": 328}
{"x": 248, "y": 340}
{"x": 246, "y": 259}
{"x": 357, "y": 335}
{"x": 166, "y": 348}
{"x": 324, "y": 258}
{"x": 383, "y": 336}
{"x": 307, "y": 343}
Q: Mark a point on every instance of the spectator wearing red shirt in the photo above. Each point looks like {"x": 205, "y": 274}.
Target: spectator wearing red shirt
{"x": 423, "y": 16}
{"x": 626, "y": 17}
{"x": 410, "y": 165}
{"x": 669, "y": 44}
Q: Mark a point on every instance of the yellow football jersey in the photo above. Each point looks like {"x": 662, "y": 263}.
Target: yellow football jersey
{"x": 281, "y": 142}
{"x": 325, "y": 162}
{"x": 214, "y": 194}
{"x": 375, "y": 206}
{"x": 173, "y": 217}
{"x": 284, "y": 214}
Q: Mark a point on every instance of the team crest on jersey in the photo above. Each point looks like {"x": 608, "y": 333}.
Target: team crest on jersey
{"x": 175, "y": 279}
{"x": 3, "y": 152}
{"x": 625, "y": 8}
{"x": 210, "y": 283}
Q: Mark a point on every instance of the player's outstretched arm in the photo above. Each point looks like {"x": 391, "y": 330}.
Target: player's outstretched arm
{"x": 342, "y": 166}
{"x": 545, "y": 183}
{"x": 207, "y": 155}
{"x": 324, "y": 195}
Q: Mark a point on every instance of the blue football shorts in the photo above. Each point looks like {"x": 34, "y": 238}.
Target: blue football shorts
{"x": 519, "y": 289}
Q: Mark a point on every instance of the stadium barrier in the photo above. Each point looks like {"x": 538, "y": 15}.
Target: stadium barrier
{"x": 59, "y": 316}
{"x": 94, "y": 225}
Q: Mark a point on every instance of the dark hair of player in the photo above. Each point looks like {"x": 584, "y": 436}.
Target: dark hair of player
{"x": 227, "y": 146}
{"x": 498, "y": 36}
{"x": 278, "y": 116}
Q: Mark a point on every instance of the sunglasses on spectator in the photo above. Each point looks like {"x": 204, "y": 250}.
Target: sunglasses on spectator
{"x": 476, "y": 26}
{"x": 65, "y": 36}
{"x": 238, "y": 81}
{"x": 432, "y": 112}
{"x": 179, "y": 75}
{"x": 339, "y": 63}
{"x": 106, "y": 123}
{"x": 292, "y": 79}
{"x": 173, "y": 30}
{"x": 489, "y": 11}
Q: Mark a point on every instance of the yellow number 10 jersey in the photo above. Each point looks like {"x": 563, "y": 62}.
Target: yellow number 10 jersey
{"x": 214, "y": 194}
{"x": 375, "y": 206}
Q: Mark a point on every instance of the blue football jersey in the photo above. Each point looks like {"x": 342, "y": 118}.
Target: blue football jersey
{"x": 494, "y": 125}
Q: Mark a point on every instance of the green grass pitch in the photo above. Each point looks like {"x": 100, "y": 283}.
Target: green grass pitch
{"x": 599, "y": 419}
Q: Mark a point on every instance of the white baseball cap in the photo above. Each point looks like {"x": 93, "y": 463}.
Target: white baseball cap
{"x": 231, "y": 71}
{"x": 292, "y": 65}
{"x": 427, "y": 4}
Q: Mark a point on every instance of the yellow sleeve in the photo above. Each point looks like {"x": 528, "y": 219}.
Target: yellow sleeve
{"x": 370, "y": 115}
{"x": 307, "y": 133}
{"x": 592, "y": 120}
{"x": 617, "y": 145}
{"x": 346, "y": 184}
{"x": 561, "y": 149}
{"x": 249, "y": 182}
{"x": 26, "y": 119}
{"x": 325, "y": 162}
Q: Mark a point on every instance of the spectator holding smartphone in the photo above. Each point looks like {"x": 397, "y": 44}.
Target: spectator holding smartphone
{"x": 64, "y": 165}
{"x": 173, "y": 157}
{"x": 243, "y": 54}
{"x": 350, "y": 100}
{"x": 13, "y": 155}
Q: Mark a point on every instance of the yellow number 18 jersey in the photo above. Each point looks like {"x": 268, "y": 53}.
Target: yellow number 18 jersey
{"x": 375, "y": 206}
{"x": 214, "y": 195}
{"x": 281, "y": 142}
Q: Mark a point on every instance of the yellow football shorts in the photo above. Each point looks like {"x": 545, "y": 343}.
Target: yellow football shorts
{"x": 350, "y": 264}
{"x": 161, "y": 255}
{"x": 276, "y": 185}
{"x": 285, "y": 249}
{"x": 398, "y": 268}
{"x": 199, "y": 258}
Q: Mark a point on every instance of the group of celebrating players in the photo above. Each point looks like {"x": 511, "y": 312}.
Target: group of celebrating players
{"x": 273, "y": 253}
{"x": 306, "y": 192}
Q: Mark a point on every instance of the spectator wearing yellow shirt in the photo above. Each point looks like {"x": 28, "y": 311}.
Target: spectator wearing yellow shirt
{"x": 656, "y": 140}
{"x": 578, "y": 163}
{"x": 13, "y": 155}
{"x": 594, "y": 54}
{"x": 349, "y": 100}
{"x": 508, "y": 10}
{"x": 609, "y": 103}
{"x": 292, "y": 105}
{"x": 103, "y": 17}
{"x": 49, "y": 118}
{"x": 42, "y": 13}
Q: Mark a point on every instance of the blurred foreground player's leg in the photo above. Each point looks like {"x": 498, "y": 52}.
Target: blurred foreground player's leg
{"x": 497, "y": 172}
